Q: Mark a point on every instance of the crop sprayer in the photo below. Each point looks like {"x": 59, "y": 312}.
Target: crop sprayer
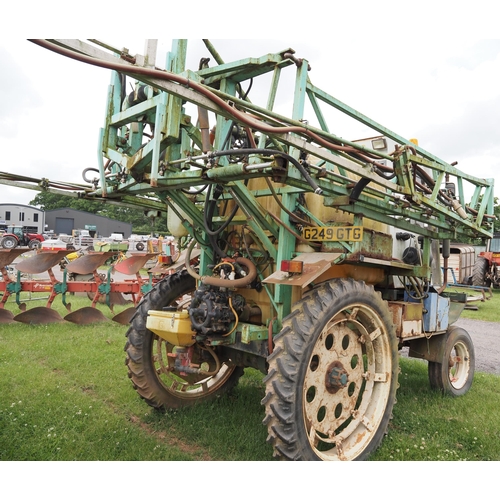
{"x": 311, "y": 258}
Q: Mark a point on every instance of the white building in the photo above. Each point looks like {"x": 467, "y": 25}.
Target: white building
{"x": 31, "y": 218}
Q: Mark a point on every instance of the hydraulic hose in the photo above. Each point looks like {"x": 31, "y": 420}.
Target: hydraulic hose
{"x": 213, "y": 281}
{"x": 239, "y": 283}
{"x": 209, "y": 211}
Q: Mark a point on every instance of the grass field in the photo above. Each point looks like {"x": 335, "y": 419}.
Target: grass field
{"x": 489, "y": 310}
{"x": 66, "y": 396}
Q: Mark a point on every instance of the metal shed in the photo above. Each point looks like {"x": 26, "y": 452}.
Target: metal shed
{"x": 64, "y": 220}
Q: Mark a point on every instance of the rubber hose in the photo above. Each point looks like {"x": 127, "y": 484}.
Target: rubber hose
{"x": 212, "y": 281}
{"x": 239, "y": 283}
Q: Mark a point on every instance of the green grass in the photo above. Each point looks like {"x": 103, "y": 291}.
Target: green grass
{"x": 432, "y": 427}
{"x": 489, "y": 310}
{"x": 66, "y": 396}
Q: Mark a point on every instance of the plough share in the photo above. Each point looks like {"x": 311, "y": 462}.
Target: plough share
{"x": 79, "y": 276}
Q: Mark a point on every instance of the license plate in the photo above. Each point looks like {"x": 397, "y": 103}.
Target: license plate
{"x": 328, "y": 233}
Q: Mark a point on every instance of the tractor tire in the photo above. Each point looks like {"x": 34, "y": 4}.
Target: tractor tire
{"x": 454, "y": 375}
{"x": 333, "y": 375}
{"x": 148, "y": 355}
{"x": 139, "y": 246}
{"x": 9, "y": 242}
{"x": 479, "y": 273}
{"x": 34, "y": 244}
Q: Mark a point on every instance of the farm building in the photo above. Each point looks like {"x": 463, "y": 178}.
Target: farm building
{"x": 32, "y": 218}
{"x": 64, "y": 220}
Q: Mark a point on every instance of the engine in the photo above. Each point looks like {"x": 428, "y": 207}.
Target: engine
{"x": 213, "y": 309}
{"x": 216, "y": 305}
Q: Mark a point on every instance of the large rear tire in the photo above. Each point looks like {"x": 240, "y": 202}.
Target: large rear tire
{"x": 34, "y": 244}
{"x": 479, "y": 273}
{"x": 148, "y": 360}
{"x": 333, "y": 375}
{"x": 455, "y": 374}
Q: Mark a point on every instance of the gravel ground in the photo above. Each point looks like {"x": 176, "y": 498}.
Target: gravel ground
{"x": 486, "y": 339}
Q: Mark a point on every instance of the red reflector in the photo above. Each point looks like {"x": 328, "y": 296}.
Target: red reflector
{"x": 291, "y": 266}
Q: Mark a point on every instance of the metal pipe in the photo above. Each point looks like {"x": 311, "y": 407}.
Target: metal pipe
{"x": 446, "y": 256}
{"x": 204, "y": 129}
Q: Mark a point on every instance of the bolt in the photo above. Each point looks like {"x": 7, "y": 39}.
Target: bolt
{"x": 336, "y": 377}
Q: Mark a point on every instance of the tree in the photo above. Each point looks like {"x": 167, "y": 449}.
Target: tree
{"x": 496, "y": 225}
{"x": 496, "y": 211}
{"x": 51, "y": 201}
{"x": 135, "y": 216}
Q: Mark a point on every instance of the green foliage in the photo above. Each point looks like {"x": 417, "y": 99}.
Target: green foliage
{"x": 51, "y": 201}
{"x": 135, "y": 216}
{"x": 496, "y": 211}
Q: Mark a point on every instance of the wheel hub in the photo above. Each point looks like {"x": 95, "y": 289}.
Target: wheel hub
{"x": 336, "y": 377}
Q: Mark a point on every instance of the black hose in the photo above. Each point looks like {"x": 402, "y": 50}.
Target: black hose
{"x": 358, "y": 188}
{"x": 198, "y": 191}
{"x": 209, "y": 212}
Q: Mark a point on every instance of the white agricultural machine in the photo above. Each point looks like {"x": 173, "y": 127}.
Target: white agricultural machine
{"x": 311, "y": 258}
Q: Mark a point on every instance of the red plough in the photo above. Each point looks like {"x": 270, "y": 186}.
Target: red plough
{"x": 79, "y": 276}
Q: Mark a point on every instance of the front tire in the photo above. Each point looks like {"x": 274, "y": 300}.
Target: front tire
{"x": 454, "y": 375}
{"x": 148, "y": 359}
{"x": 332, "y": 377}
{"x": 9, "y": 242}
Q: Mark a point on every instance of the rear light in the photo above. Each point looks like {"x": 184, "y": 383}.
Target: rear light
{"x": 292, "y": 266}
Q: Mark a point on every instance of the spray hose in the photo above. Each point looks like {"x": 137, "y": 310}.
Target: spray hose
{"x": 213, "y": 281}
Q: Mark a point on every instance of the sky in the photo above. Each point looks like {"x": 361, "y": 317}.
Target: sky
{"x": 445, "y": 93}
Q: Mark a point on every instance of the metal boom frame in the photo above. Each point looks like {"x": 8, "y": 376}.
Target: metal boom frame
{"x": 179, "y": 157}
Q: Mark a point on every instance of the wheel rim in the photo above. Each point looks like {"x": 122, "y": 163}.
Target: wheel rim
{"x": 189, "y": 386}
{"x": 347, "y": 383}
{"x": 459, "y": 365}
{"x": 192, "y": 386}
